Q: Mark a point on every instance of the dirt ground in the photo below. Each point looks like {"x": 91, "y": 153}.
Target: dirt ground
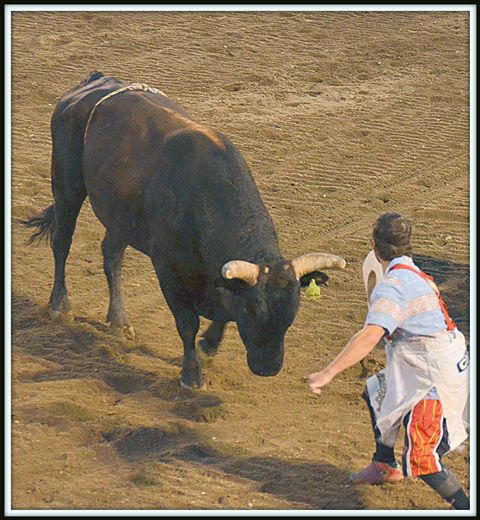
{"x": 341, "y": 116}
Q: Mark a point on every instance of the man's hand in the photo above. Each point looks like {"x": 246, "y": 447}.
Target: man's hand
{"x": 318, "y": 380}
{"x": 359, "y": 345}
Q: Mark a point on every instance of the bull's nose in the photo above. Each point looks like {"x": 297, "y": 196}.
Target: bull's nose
{"x": 268, "y": 373}
{"x": 264, "y": 371}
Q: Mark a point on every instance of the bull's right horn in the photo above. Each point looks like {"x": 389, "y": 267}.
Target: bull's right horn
{"x": 242, "y": 270}
{"x": 316, "y": 261}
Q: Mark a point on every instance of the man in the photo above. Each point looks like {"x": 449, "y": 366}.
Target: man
{"x": 426, "y": 376}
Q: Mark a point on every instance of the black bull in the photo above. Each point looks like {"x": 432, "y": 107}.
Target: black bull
{"x": 182, "y": 194}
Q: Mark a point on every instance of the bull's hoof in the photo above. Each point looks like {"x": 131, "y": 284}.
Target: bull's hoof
{"x": 130, "y": 332}
{"x": 207, "y": 348}
{"x": 63, "y": 315}
{"x": 192, "y": 383}
{"x": 54, "y": 315}
{"x": 120, "y": 331}
{"x": 203, "y": 386}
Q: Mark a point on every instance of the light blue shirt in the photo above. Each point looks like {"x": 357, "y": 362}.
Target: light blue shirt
{"x": 405, "y": 301}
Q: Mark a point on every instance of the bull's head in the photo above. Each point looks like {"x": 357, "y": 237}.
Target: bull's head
{"x": 264, "y": 301}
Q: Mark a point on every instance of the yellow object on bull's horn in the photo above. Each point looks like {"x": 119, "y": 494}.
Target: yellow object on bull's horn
{"x": 313, "y": 290}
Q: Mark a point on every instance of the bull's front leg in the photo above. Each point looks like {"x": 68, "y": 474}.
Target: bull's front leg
{"x": 212, "y": 337}
{"x": 187, "y": 325}
{"x": 187, "y": 322}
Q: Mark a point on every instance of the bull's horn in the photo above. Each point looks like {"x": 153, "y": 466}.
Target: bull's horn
{"x": 315, "y": 261}
{"x": 245, "y": 271}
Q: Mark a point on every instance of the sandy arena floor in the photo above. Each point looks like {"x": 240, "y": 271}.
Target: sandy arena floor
{"x": 341, "y": 116}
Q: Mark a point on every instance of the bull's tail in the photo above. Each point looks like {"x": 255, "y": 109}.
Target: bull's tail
{"x": 44, "y": 224}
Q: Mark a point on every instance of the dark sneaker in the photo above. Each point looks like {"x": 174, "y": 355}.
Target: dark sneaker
{"x": 377, "y": 473}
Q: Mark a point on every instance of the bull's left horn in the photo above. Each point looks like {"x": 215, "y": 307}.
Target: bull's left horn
{"x": 315, "y": 261}
{"x": 242, "y": 270}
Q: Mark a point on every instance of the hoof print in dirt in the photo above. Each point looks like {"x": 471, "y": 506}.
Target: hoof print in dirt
{"x": 143, "y": 479}
{"x": 147, "y": 441}
{"x": 129, "y": 383}
{"x": 207, "y": 409}
{"x": 196, "y": 452}
{"x": 106, "y": 352}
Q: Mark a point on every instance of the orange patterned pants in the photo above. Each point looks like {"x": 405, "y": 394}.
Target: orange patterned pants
{"x": 426, "y": 439}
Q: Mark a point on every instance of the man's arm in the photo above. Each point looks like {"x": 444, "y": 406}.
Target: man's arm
{"x": 359, "y": 346}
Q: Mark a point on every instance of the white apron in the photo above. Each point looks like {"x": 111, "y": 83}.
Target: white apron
{"x": 419, "y": 367}
{"x": 415, "y": 366}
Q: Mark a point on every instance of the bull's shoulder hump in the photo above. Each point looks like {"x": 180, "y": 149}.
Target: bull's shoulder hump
{"x": 185, "y": 126}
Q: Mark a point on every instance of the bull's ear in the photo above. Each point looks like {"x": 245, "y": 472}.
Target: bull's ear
{"x": 319, "y": 277}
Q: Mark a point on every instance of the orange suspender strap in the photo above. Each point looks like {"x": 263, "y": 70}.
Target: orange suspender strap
{"x": 450, "y": 323}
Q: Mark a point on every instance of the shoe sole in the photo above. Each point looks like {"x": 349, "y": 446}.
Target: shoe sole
{"x": 363, "y": 483}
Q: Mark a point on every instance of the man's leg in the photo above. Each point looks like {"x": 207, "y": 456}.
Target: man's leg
{"x": 426, "y": 441}
{"x": 384, "y": 468}
{"x": 446, "y": 484}
{"x": 382, "y": 453}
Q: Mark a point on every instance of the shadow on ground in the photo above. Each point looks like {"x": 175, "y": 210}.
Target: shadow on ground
{"x": 454, "y": 283}
{"x": 83, "y": 349}
{"x": 310, "y": 485}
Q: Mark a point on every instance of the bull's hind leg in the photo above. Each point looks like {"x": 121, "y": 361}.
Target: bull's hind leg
{"x": 113, "y": 252}
{"x": 66, "y": 213}
{"x": 69, "y": 193}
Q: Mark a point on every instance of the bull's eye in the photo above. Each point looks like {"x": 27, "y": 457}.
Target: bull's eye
{"x": 250, "y": 309}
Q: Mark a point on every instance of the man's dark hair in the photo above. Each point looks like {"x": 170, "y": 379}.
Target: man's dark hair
{"x": 391, "y": 234}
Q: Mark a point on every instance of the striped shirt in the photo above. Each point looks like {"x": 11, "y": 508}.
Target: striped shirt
{"x": 404, "y": 301}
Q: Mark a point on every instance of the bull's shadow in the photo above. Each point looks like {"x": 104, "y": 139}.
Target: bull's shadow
{"x": 82, "y": 349}
{"x": 454, "y": 283}
{"x": 79, "y": 350}
{"x": 305, "y": 484}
